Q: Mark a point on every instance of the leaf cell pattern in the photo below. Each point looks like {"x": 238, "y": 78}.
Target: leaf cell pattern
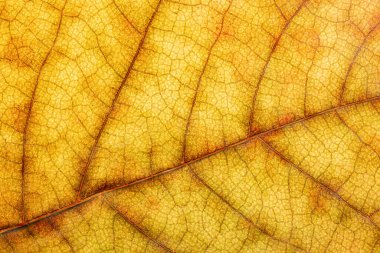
{"x": 190, "y": 126}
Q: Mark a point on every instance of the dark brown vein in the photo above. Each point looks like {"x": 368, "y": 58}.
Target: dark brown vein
{"x": 196, "y": 176}
{"x": 138, "y": 228}
{"x": 264, "y": 70}
{"x": 180, "y": 166}
{"x": 199, "y": 82}
{"x": 354, "y": 58}
{"x": 113, "y": 103}
{"x": 323, "y": 185}
{"x": 28, "y": 116}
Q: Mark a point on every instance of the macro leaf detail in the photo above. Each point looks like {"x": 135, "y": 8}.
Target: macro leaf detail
{"x": 190, "y": 126}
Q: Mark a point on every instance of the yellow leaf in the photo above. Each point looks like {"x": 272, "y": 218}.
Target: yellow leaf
{"x": 190, "y": 126}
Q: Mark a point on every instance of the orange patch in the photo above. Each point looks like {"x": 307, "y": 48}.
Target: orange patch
{"x": 374, "y": 22}
{"x": 307, "y": 41}
{"x": 19, "y": 53}
{"x": 285, "y": 119}
{"x": 153, "y": 203}
{"x": 255, "y": 129}
{"x": 16, "y": 117}
{"x": 317, "y": 199}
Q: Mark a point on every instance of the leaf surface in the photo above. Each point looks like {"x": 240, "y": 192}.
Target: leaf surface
{"x": 190, "y": 126}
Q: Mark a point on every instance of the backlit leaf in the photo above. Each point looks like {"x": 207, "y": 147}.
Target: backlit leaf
{"x": 190, "y": 126}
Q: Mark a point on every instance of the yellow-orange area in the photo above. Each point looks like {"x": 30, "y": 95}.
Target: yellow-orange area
{"x": 190, "y": 126}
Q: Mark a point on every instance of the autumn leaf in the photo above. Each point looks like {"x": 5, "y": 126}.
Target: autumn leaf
{"x": 190, "y": 126}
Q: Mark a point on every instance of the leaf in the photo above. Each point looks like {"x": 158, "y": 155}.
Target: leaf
{"x": 190, "y": 126}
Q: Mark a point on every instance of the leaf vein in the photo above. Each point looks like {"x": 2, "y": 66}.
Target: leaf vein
{"x": 178, "y": 167}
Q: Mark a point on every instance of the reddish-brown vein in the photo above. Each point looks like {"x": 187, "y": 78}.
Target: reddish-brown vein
{"x": 322, "y": 184}
{"x": 264, "y": 70}
{"x": 356, "y": 134}
{"x": 125, "y": 17}
{"x": 198, "y": 178}
{"x": 180, "y": 166}
{"x": 199, "y": 82}
{"x": 27, "y": 120}
{"x": 137, "y": 227}
{"x": 353, "y": 60}
{"x": 113, "y": 103}
{"x": 280, "y": 10}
